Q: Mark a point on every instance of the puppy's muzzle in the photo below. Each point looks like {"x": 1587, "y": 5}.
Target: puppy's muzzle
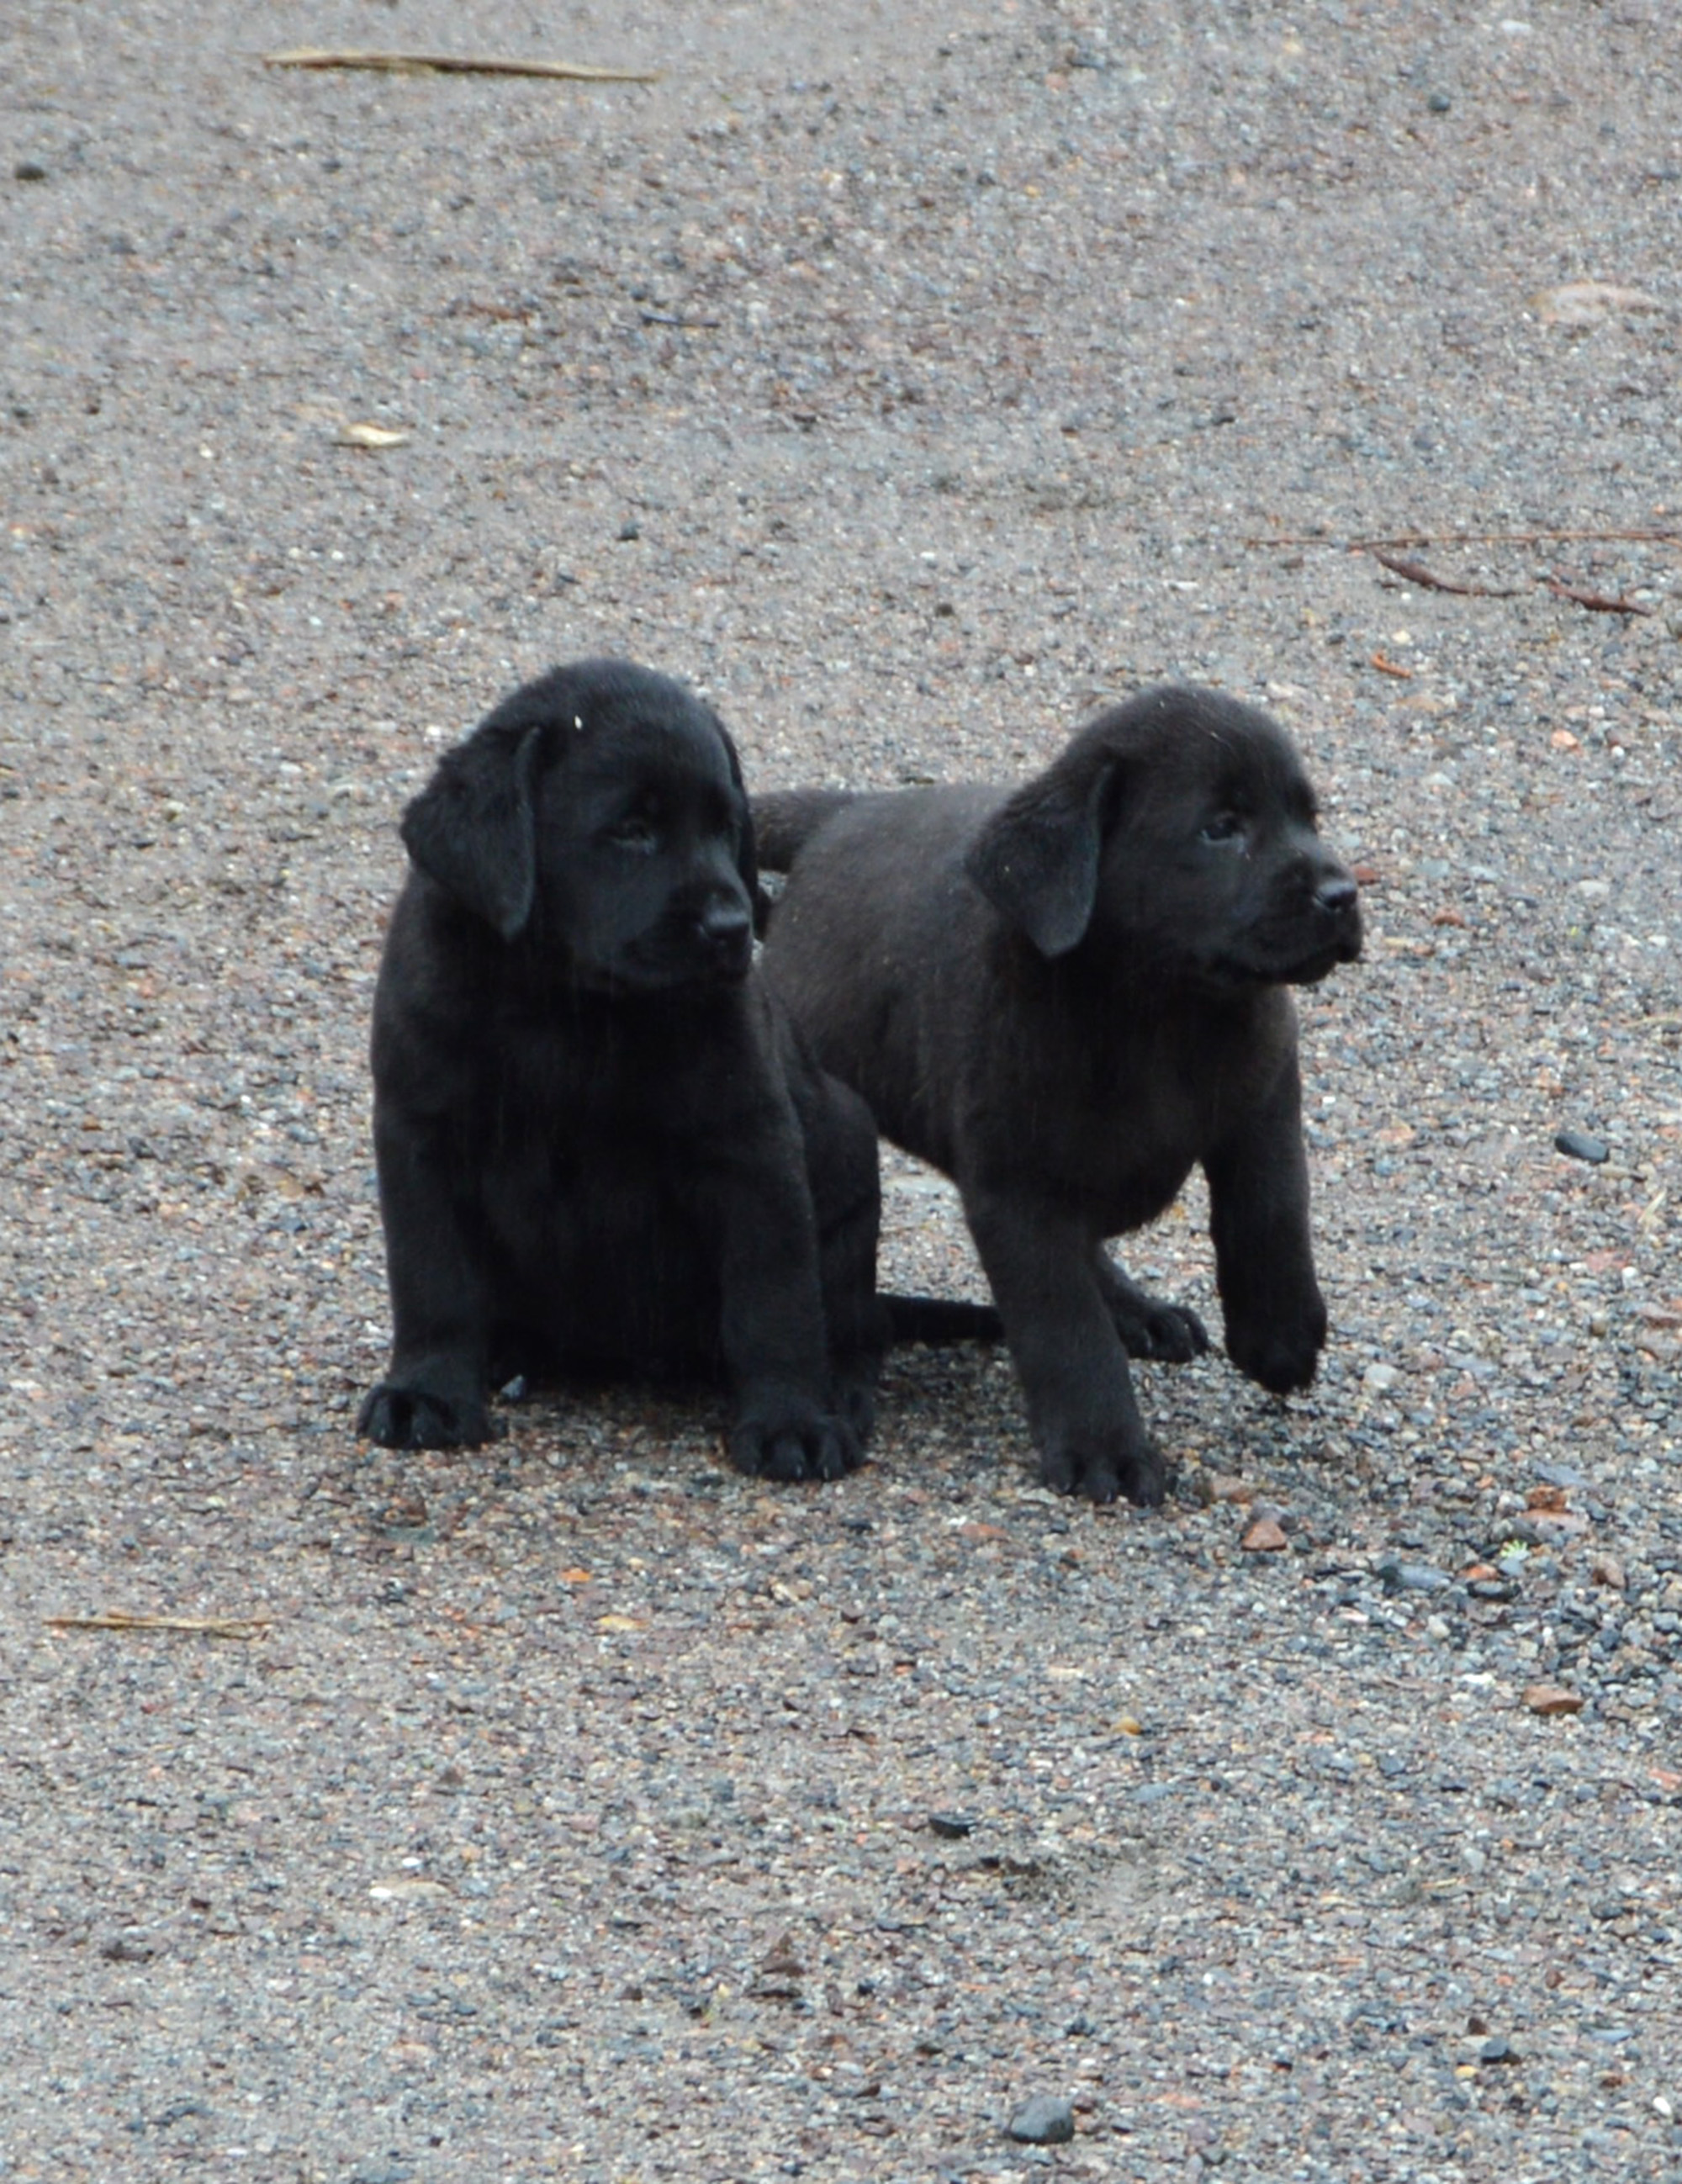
{"x": 1336, "y": 913}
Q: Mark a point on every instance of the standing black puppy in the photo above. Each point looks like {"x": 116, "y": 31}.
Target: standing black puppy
{"x": 1066, "y": 997}
{"x": 602, "y": 1147}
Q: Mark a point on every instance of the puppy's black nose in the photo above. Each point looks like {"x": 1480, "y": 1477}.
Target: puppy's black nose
{"x": 725, "y": 929}
{"x": 1336, "y": 893}
{"x": 727, "y": 924}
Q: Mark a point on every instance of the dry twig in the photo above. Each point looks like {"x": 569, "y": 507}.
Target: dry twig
{"x": 1658, "y": 537}
{"x": 1596, "y": 602}
{"x": 119, "y": 1618}
{"x": 327, "y": 57}
{"x": 1416, "y": 572}
{"x": 1520, "y": 538}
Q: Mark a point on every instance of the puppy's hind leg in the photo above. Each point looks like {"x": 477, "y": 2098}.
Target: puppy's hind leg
{"x": 1149, "y": 1326}
{"x": 847, "y": 1192}
{"x": 857, "y": 1321}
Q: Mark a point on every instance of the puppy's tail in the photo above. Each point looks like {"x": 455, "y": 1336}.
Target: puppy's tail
{"x": 785, "y": 820}
{"x": 941, "y": 1319}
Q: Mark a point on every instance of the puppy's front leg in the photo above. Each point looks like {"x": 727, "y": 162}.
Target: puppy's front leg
{"x": 1264, "y": 1257}
{"x": 773, "y": 1322}
{"x": 1073, "y": 1369}
{"x": 433, "y": 1396}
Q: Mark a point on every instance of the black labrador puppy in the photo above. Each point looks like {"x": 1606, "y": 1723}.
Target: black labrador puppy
{"x": 603, "y": 1148}
{"x": 1068, "y": 995}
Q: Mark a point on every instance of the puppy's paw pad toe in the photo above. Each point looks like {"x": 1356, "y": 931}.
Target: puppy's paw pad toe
{"x": 826, "y": 1449}
{"x": 1280, "y": 1367}
{"x": 1104, "y": 1479}
{"x": 1169, "y": 1334}
{"x": 1176, "y": 1336}
{"x": 414, "y": 1418}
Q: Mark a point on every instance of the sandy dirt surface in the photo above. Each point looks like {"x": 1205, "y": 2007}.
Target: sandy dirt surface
{"x": 913, "y": 380}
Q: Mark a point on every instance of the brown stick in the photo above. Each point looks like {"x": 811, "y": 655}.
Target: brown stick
{"x": 324, "y": 56}
{"x": 1416, "y": 572}
{"x": 118, "y": 1618}
{"x": 1476, "y": 538}
{"x": 1596, "y": 602}
{"x": 1521, "y": 538}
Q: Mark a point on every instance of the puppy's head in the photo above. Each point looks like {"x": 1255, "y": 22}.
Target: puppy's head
{"x": 1176, "y": 837}
{"x": 597, "y": 817}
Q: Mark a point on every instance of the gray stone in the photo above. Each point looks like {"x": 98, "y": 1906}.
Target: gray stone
{"x": 1047, "y": 2119}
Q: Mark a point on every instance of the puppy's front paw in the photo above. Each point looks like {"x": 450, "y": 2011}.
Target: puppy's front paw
{"x": 1106, "y": 1472}
{"x": 416, "y": 1417}
{"x": 793, "y": 1440}
{"x": 1280, "y": 1357}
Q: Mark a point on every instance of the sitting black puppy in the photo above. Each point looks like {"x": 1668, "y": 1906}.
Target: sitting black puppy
{"x": 603, "y": 1150}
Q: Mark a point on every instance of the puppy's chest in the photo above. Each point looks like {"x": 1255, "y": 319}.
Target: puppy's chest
{"x": 563, "y": 1107}
{"x": 1127, "y": 1121}
{"x": 602, "y": 1170}
{"x": 564, "y": 1101}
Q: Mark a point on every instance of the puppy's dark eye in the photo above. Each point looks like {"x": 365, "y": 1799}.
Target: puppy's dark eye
{"x": 639, "y": 835}
{"x": 1224, "y": 828}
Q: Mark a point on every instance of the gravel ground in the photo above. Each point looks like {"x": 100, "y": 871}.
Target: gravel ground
{"x": 911, "y": 380}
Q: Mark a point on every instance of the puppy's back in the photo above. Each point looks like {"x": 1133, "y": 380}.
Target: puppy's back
{"x": 877, "y": 942}
{"x": 786, "y": 820}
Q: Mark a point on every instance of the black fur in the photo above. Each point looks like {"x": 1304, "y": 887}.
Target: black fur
{"x": 1066, "y": 996}
{"x": 603, "y": 1148}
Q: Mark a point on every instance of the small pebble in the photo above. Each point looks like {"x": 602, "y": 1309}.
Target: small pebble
{"x": 132, "y": 1946}
{"x": 1413, "y": 1576}
{"x": 1579, "y": 1145}
{"x": 1266, "y": 1536}
{"x": 1498, "y": 2050}
{"x": 1552, "y": 1698}
{"x": 1046, "y": 2121}
{"x": 952, "y": 1825}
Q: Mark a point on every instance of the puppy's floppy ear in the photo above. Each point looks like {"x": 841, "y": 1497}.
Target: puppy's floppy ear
{"x": 473, "y": 829}
{"x": 747, "y": 853}
{"x": 1036, "y": 859}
